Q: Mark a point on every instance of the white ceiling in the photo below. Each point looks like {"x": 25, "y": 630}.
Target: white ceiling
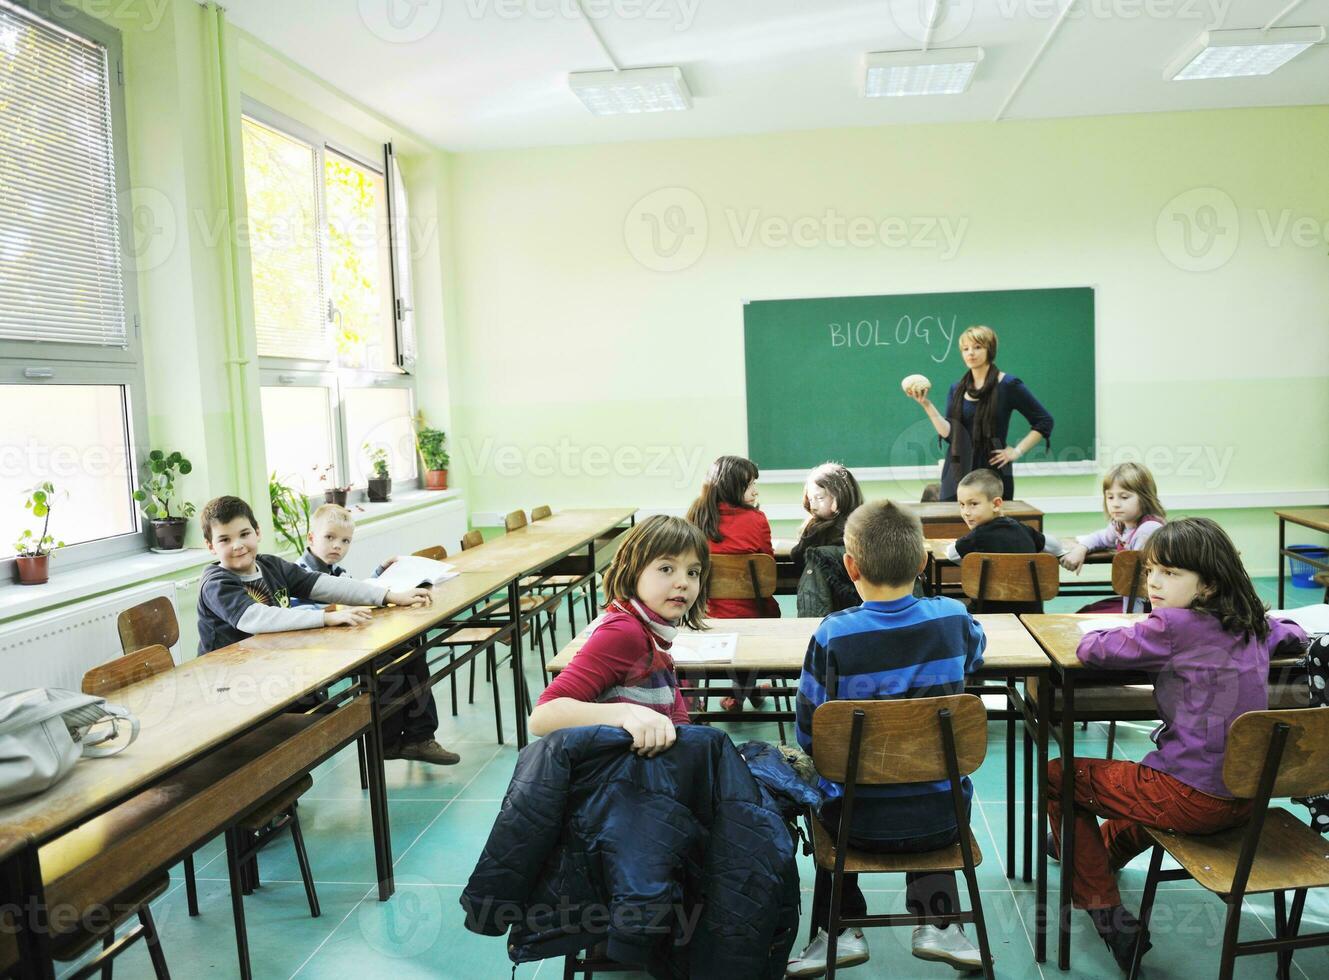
{"x": 481, "y": 74}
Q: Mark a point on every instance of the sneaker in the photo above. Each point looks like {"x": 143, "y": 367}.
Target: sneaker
{"x": 851, "y": 950}
{"x": 731, "y": 705}
{"x": 1121, "y": 932}
{"x": 949, "y": 945}
{"x": 427, "y": 751}
{"x": 758, "y": 695}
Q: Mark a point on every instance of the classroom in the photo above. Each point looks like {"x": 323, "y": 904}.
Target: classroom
{"x": 548, "y": 488}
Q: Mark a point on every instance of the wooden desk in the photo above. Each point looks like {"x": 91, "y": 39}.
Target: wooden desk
{"x": 1315, "y": 518}
{"x": 942, "y": 519}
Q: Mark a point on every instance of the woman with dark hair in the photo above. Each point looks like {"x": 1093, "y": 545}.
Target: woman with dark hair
{"x": 726, "y": 512}
{"x": 978, "y": 415}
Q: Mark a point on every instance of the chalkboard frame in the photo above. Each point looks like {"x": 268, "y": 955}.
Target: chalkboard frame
{"x": 931, "y": 471}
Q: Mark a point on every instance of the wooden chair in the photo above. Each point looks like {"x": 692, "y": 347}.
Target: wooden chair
{"x": 880, "y": 743}
{"x": 571, "y": 586}
{"x": 750, "y": 576}
{"x": 153, "y": 626}
{"x": 1269, "y": 753}
{"x": 1029, "y": 579}
{"x": 435, "y": 553}
{"x": 1128, "y": 577}
{"x": 472, "y": 539}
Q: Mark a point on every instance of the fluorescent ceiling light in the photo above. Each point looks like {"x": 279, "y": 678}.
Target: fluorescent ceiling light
{"x": 608, "y": 93}
{"x": 939, "y": 72}
{"x": 1235, "y": 54}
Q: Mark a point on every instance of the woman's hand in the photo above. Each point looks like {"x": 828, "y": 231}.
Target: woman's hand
{"x": 1074, "y": 558}
{"x": 1004, "y": 457}
{"x": 920, "y": 395}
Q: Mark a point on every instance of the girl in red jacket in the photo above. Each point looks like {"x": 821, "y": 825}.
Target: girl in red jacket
{"x": 726, "y": 512}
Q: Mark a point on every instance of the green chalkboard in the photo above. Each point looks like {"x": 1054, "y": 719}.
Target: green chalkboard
{"x": 823, "y": 375}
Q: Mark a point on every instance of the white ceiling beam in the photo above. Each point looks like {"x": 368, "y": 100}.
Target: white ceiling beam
{"x": 1042, "y": 48}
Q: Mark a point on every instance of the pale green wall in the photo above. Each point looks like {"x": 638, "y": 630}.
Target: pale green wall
{"x": 570, "y": 343}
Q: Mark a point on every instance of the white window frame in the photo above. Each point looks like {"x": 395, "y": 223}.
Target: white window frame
{"x": 276, "y": 371}
{"x": 64, "y": 363}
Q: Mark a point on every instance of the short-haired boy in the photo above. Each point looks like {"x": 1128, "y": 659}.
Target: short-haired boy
{"x": 245, "y": 593}
{"x": 990, "y": 531}
{"x": 895, "y": 645}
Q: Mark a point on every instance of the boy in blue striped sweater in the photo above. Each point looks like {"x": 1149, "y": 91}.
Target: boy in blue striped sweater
{"x": 894, "y": 645}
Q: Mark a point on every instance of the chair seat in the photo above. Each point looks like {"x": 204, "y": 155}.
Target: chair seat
{"x": 71, "y": 946}
{"x": 868, "y": 862}
{"x": 469, "y": 637}
{"x": 1291, "y": 855}
{"x": 270, "y": 810}
{"x": 529, "y": 604}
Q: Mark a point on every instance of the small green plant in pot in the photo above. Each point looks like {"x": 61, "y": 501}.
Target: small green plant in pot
{"x": 290, "y": 514}
{"x": 34, "y": 550}
{"x": 379, "y": 485}
{"x": 332, "y": 494}
{"x": 432, "y": 445}
{"x": 158, "y": 493}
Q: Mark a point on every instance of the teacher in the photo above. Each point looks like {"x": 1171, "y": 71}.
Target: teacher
{"x": 978, "y": 416}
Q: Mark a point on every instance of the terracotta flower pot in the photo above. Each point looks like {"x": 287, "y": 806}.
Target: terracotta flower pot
{"x": 337, "y": 497}
{"x": 169, "y": 534}
{"x": 380, "y": 490}
{"x": 436, "y": 479}
{"x": 32, "y": 569}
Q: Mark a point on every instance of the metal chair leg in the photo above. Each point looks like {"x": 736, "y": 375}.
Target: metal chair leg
{"x": 980, "y": 924}
{"x": 470, "y": 693}
{"x": 490, "y": 657}
{"x": 191, "y": 885}
{"x": 452, "y": 679}
{"x": 360, "y": 755}
{"x": 298, "y": 839}
{"x": 1147, "y": 905}
{"x": 238, "y": 905}
{"x": 154, "y": 945}
{"x": 1112, "y": 738}
{"x": 107, "y": 942}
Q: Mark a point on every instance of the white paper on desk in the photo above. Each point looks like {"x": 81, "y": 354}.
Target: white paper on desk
{"x": 1103, "y": 623}
{"x": 1313, "y": 619}
{"x": 415, "y": 572}
{"x": 697, "y": 648}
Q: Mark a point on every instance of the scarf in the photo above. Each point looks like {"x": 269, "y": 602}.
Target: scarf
{"x": 985, "y": 416}
{"x": 661, "y": 633}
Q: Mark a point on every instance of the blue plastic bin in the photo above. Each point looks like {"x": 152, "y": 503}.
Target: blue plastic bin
{"x": 1303, "y": 573}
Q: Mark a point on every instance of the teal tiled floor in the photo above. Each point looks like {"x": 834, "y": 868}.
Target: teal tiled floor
{"x": 441, "y": 817}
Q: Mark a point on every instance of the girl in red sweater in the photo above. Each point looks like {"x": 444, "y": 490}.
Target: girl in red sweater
{"x": 727, "y": 514}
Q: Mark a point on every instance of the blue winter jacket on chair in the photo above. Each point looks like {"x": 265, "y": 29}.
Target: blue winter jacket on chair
{"x": 680, "y": 863}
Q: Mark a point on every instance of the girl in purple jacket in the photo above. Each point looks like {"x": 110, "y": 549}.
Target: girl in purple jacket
{"x": 1208, "y": 642}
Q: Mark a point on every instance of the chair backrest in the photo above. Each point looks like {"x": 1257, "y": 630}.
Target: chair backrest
{"x": 514, "y": 520}
{"x": 1304, "y": 768}
{"x": 436, "y": 552}
{"x": 472, "y": 539}
{"x": 1009, "y": 578}
{"x": 137, "y": 665}
{"x": 742, "y": 576}
{"x": 1128, "y": 575}
{"x": 902, "y": 740}
{"x": 148, "y": 623}
{"x": 541, "y": 512}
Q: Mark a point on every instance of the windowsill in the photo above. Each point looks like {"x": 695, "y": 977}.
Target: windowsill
{"x": 401, "y": 502}
{"x": 94, "y": 579}
{"x": 87, "y": 581}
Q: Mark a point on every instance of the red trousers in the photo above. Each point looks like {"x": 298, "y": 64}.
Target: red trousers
{"x": 1132, "y": 797}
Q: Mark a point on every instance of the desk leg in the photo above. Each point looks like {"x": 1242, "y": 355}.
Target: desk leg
{"x": 1029, "y": 802}
{"x": 1014, "y": 709}
{"x": 1067, "y": 820}
{"x": 378, "y": 791}
{"x": 21, "y": 891}
{"x": 1044, "y": 709}
{"x": 595, "y": 592}
{"x": 1282, "y": 539}
{"x": 518, "y": 669}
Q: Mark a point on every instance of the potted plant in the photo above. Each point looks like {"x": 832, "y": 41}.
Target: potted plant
{"x": 332, "y": 494}
{"x": 157, "y": 493}
{"x": 431, "y": 444}
{"x": 380, "y": 484}
{"x": 290, "y": 513}
{"x": 33, "y": 550}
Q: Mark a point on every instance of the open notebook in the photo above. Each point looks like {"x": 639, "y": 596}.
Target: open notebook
{"x": 704, "y": 648}
{"x": 413, "y": 571}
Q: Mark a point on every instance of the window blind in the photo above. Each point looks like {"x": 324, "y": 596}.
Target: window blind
{"x": 60, "y": 262}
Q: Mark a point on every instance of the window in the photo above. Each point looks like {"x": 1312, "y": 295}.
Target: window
{"x": 69, "y": 363}
{"x": 331, "y": 304}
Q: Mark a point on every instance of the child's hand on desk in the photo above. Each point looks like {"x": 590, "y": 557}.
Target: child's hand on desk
{"x": 1074, "y": 557}
{"x": 651, "y": 731}
{"x": 346, "y": 617}
{"x": 388, "y": 563}
{"x": 411, "y": 597}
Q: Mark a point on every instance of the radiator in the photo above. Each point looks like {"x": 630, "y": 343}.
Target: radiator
{"x": 56, "y": 648}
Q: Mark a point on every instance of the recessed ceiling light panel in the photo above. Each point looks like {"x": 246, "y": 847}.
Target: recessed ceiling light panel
{"x": 1242, "y": 54}
{"x": 946, "y": 71}
{"x": 610, "y": 93}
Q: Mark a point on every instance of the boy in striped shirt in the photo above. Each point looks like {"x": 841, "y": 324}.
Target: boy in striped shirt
{"x": 894, "y": 645}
